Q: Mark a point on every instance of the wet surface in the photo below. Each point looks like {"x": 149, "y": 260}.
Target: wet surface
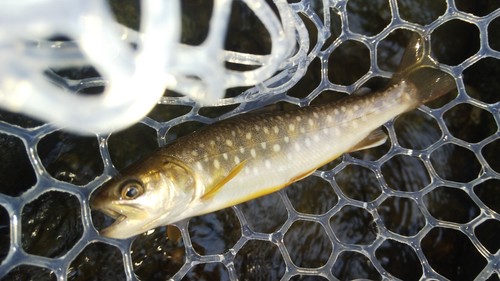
{"x": 16, "y": 174}
{"x": 98, "y": 261}
{"x": 259, "y": 260}
{"x": 214, "y": 233}
{"x": 399, "y": 259}
{"x": 401, "y": 215}
{"x": 71, "y": 158}
{"x": 405, "y": 173}
{"x": 52, "y": 223}
{"x": 446, "y": 248}
{"x": 450, "y": 204}
{"x": 358, "y": 183}
{"x": 155, "y": 256}
{"x": 4, "y": 233}
{"x": 266, "y": 214}
{"x": 352, "y": 265}
{"x": 308, "y": 244}
{"x": 31, "y": 273}
{"x": 353, "y": 225}
{"x": 455, "y": 163}
{"x": 350, "y": 55}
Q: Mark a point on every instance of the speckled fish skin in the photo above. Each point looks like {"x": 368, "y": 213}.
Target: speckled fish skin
{"x": 252, "y": 155}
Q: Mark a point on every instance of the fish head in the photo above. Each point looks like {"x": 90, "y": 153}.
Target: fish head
{"x": 144, "y": 196}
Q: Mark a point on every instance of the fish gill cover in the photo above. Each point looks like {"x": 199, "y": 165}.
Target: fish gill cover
{"x": 423, "y": 206}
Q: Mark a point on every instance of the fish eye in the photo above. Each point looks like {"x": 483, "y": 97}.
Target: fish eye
{"x": 131, "y": 189}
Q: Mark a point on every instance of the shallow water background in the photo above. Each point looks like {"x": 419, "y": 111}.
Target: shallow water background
{"x": 332, "y": 214}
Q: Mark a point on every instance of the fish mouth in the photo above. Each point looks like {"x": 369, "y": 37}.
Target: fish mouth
{"x": 119, "y": 219}
{"x": 108, "y": 231}
{"x": 124, "y": 226}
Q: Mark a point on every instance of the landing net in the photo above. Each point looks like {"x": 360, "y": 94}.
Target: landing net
{"x": 426, "y": 205}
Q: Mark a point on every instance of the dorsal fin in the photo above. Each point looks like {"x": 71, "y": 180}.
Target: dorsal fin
{"x": 375, "y": 138}
{"x": 213, "y": 190}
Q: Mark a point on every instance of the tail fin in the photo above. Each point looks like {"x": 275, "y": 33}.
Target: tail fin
{"x": 418, "y": 68}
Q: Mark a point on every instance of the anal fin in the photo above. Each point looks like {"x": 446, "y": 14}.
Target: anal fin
{"x": 375, "y": 138}
{"x": 212, "y": 191}
{"x": 173, "y": 234}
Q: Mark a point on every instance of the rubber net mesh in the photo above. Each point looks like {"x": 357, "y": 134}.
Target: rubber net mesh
{"x": 426, "y": 205}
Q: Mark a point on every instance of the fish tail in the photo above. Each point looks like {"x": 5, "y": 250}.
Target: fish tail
{"x": 419, "y": 68}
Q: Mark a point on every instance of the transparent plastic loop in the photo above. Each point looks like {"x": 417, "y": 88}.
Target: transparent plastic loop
{"x": 134, "y": 79}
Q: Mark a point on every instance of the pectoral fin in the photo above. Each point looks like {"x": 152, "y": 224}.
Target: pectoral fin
{"x": 173, "y": 233}
{"x": 375, "y": 138}
{"x": 212, "y": 191}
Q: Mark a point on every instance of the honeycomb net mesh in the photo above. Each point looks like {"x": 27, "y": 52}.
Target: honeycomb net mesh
{"x": 426, "y": 205}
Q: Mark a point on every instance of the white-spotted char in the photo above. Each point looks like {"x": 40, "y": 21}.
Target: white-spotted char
{"x": 252, "y": 155}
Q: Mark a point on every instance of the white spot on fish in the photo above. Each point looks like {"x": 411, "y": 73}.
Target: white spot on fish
{"x": 311, "y": 122}
{"x": 225, "y": 156}
{"x": 298, "y": 118}
{"x": 316, "y": 115}
{"x": 355, "y": 107}
{"x": 248, "y": 136}
{"x": 308, "y": 142}
{"x": 263, "y": 145}
{"x": 257, "y": 127}
{"x": 266, "y": 130}
{"x": 202, "y": 145}
{"x": 199, "y": 166}
{"x": 286, "y": 139}
{"x": 194, "y": 153}
{"x": 276, "y": 129}
{"x": 242, "y": 150}
{"x": 217, "y": 138}
{"x": 255, "y": 170}
{"x": 291, "y": 127}
{"x": 343, "y": 108}
{"x": 297, "y": 146}
{"x": 253, "y": 153}
{"x": 233, "y": 133}
{"x": 316, "y": 138}
{"x": 302, "y": 130}
{"x": 336, "y": 111}
{"x": 229, "y": 142}
{"x": 216, "y": 164}
{"x": 276, "y": 148}
{"x": 236, "y": 160}
{"x": 267, "y": 163}
{"x": 329, "y": 118}
{"x": 212, "y": 143}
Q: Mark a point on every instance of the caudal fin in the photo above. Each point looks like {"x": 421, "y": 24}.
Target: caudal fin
{"x": 418, "y": 68}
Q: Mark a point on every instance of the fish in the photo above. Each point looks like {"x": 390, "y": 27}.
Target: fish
{"x": 254, "y": 154}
